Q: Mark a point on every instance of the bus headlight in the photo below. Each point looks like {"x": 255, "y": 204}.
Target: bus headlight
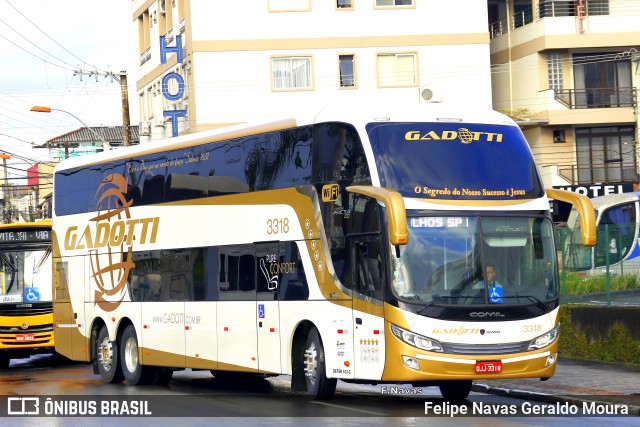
{"x": 416, "y": 340}
{"x": 545, "y": 339}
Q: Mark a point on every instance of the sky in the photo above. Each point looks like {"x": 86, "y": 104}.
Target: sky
{"x": 43, "y": 44}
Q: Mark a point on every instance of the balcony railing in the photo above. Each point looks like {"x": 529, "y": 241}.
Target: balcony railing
{"x": 597, "y": 97}
{"x": 560, "y": 8}
{"x": 554, "y": 8}
{"x": 605, "y": 174}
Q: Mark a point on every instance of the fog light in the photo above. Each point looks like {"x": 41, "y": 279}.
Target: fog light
{"x": 551, "y": 359}
{"x": 410, "y": 362}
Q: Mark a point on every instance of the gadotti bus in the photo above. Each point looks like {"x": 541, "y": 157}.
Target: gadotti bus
{"x": 316, "y": 249}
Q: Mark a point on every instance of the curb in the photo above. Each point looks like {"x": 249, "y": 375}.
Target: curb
{"x": 544, "y": 397}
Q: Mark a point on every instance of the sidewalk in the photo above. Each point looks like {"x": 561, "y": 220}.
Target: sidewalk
{"x": 575, "y": 381}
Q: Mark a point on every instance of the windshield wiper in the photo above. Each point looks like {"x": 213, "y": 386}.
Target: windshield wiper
{"x": 436, "y": 297}
{"x": 538, "y": 302}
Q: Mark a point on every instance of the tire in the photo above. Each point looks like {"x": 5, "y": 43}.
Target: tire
{"x": 319, "y": 387}
{"x": 108, "y": 358}
{"x": 134, "y": 372}
{"x": 455, "y": 389}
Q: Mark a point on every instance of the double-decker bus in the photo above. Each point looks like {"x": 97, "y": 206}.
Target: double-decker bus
{"x": 618, "y": 233}
{"x": 26, "y": 313}
{"x": 347, "y": 246}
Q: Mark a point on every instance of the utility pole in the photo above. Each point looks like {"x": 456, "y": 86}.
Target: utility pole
{"x": 122, "y": 80}
{"x": 5, "y": 186}
{"x": 125, "y": 109}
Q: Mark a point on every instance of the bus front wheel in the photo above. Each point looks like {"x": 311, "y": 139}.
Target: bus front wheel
{"x": 455, "y": 389}
{"x": 108, "y": 358}
{"x": 134, "y": 372}
{"x": 318, "y": 385}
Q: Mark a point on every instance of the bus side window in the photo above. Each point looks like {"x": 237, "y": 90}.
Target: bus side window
{"x": 294, "y": 285}
{"x": 271, "y": 266}
{"x": 237, "y": 273}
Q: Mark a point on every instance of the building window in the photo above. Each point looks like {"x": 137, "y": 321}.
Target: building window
{"x": 397, "y": 69}
{"x": 344, "y": 4}
{"x": 606, "y": 154}
{"x": 554, "y": 69}
{"x": 559, "y": 136}
{"x": 600, "y": 81}
{"x": 289, "y": 5}
{"x": 347, "y": 65}
{"x": 291, "y": 73}
{"x": 392, "y": 3}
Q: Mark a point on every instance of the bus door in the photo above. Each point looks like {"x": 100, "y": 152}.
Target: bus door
{"x": 270, "y": 265}
{"x": 237, "y": 309}
{"x": 368, "y": 315}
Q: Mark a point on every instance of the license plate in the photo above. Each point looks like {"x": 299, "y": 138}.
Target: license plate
{"x": 25, "y": 337}
{"x": 488, "y": 367}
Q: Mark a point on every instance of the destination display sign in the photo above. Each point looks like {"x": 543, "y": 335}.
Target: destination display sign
{"x": 25, "y": 236}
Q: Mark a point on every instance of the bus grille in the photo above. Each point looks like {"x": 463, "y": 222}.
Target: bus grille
{"x": 46, "y": 308}
{"x": 30, "y": 330}
{"x": 485, "y": 349}
{"x": 16, "y": 337}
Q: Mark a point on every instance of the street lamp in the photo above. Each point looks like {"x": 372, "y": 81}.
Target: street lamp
{"x": 41, "y": 109}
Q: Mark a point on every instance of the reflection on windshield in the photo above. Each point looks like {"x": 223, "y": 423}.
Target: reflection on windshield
{"x": 577, "y": 256}
{"x": 477, "y": 260}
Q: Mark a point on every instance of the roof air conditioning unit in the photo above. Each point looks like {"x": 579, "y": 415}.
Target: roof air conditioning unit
{"x": 430, "y": 94}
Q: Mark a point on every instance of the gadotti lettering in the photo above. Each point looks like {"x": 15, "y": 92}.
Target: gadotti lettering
{"x": 463, "y": 134}
{"x": 113, "y": 234}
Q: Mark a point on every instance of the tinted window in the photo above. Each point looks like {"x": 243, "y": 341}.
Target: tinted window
{"x": 338, "y": 155}
{"x": 271, "y": 160}
{"x": 237, "y": 276}
{"x": 293, "y": 284}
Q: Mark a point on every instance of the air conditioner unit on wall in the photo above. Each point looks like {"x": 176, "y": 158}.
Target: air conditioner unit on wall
{"x": 145, "y": 129}
{"x": 430, "y": 93}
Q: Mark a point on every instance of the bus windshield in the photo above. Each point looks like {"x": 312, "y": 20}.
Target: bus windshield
{"x": 475, "y": 260}
{"x": 25, "y": 275}
{"x": 425, "y": 160}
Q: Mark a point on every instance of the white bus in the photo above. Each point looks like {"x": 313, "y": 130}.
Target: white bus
{"x": 618, "y": 235}
{"x": 350, "y": 246}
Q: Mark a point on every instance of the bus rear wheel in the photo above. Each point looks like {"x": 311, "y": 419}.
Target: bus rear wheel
{"x": 134, "y": 372}
{"x": 455, "y": 389}
{"x": 319, "y": 387}
{"x": 108, "y": 359}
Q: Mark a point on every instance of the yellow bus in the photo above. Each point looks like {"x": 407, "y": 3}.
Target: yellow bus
{"x": 349, "y": 246}
{"x": 26, "y": 313}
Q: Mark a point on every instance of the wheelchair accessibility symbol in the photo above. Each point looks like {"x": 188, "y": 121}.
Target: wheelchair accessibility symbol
{"x": 31, "y": 294}
{"x": 495, "y": 295}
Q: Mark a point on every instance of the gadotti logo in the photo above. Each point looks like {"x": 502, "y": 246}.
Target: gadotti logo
{"x": 114, "y": 229}
{"x": 463, "y": 134}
